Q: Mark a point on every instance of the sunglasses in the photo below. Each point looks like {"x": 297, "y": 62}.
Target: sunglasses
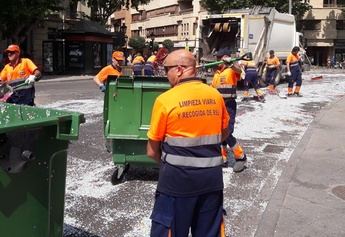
{"x": 11, "y": 52}
{"x": 167, "y": 68}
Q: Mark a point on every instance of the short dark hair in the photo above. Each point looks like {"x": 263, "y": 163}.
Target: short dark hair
{"x": 271, "y": 51}
{"x": 295, "y": 49}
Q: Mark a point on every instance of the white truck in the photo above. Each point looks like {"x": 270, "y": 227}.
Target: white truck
{"x": 255, "y": 30}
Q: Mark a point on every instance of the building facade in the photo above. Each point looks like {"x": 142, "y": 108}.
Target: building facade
{"x": 324, "y": 31}
{"x": 176, "y": 20}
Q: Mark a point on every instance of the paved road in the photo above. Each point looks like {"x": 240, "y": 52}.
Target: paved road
{"x": 269, "y": 132}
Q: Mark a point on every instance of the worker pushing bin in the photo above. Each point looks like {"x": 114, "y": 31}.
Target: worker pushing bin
{"x": 128, "y": 103}
{"x": 33, "y": 154}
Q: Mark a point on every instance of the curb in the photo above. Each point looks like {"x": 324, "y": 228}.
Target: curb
{"x": 66, "y": 78}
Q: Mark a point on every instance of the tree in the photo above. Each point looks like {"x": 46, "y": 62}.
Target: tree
{"x": 217, "y": 6}
{"x": 101, "y": 10}
{"x": 168, "y": 44}
{"x": 17, "y": 18}
{"x": 155, "y": 46}
{"x": 137, "y": 43}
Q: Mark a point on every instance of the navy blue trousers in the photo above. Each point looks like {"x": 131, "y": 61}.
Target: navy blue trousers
{"x": 271, "y": 74}
{"x": 148, "y": 69}
{"x": 296, "y": 76}
{"x": 203, "y": 214}
{"x": 251, "y": 78}
{"x": 231, "y": 107}
{"x": 137, "y": 69}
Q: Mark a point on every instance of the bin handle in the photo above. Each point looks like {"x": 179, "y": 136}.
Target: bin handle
{"x": 107, "y": 129}
{"x": 73, "y": 133}
{"x": 115, "y": 90}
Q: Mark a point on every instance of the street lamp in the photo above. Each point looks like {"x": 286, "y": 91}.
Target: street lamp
{"x": 187, "y": 45}
{"x": 123, "y": 29}
{"x": 152, "y": 37}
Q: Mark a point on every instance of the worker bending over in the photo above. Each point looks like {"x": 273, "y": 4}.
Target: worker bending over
{"x": 251, "y": 77}
{"x": 138, "y": 64}
{"x": 150, "y": 65}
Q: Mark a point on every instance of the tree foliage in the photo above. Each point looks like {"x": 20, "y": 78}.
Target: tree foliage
{"x": 155, "y": 46}
{"x": 219, "y": 6}
{"x": 137, "y": 43}
{"x": 18, "y": 17}
{"x": 168, "y": 44}
{"x": 101, "y": 10}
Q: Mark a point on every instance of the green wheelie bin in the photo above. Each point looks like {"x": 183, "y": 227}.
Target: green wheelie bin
{"x": 33, "y": 154}
{"x": 127, "y": 110}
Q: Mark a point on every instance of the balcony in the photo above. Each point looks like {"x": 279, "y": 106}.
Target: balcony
{"x": 184, "y": 11}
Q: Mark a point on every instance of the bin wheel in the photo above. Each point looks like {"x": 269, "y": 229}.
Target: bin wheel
{"x": 119, "y": 174}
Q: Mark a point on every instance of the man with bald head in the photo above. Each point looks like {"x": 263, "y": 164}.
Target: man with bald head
{"x": 188, "y": 124}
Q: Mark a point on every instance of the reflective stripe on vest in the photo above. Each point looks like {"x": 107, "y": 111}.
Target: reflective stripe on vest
{"x": 227, "y": 91}
{"x": 202, "y": 151}
{"x": 250, "y": 69}
{"x": 193, "y": 141}
{"x": 294, "y": 64}
{"x": 199, "y": 162}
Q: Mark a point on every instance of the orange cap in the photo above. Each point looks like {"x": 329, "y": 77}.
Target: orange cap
{"x": 118, "y": 55}
{"x": 13, "y": 48}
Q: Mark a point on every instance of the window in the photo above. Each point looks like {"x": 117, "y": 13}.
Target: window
{"x": 333, "y": 3}
{"x": 195, "y": 26}
{"x": 340, "y": 3}
{"x": 340, "y": 25}
{"x": 312, "y": 25}
{"x": 329, "y": 3}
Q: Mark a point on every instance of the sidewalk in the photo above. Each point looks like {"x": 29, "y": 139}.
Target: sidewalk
{"x": 50, "y": 78}
{"x": 309, "y": 199}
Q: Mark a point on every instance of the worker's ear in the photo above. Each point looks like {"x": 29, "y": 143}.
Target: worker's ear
{"x": 179, "y": 71}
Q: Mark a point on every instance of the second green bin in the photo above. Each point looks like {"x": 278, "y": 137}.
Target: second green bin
{"x": 127, "y": 112}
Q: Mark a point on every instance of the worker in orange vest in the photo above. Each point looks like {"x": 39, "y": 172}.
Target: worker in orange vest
{"x": 294, "y": 71}
{"x": 225, "y": 81}
{"x": 114, "y": 69}
{"x": 150, "y": 65}
{"x": 272, "y": 69}
{"x": 251, "y": 77}
{"x": 15, "y": 71}
{"x": 138, "y": 64}
{"x": 188, "y": 123}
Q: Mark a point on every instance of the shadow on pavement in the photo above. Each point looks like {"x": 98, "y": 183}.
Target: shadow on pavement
{"x": 71, "y": 231}
{"x": 142, "y": 173}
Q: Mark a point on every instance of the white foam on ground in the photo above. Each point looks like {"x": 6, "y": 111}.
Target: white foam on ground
{"x": 86, "y": 178}
{"x": 268, "y": 121}
{"x": 87, "y": 106}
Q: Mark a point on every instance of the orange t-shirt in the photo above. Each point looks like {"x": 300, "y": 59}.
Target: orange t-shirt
{"x": 227, "y": 77}
{"x": 190, "y": 109}
{"x": 248, "y": 64}
{"x": 107, "y": 71}
{"x": 273, "y": 62}
{"x": 22, "y": 70}
{"x": 152, "y": 59}
{"x": 292, "y": 58}
{"x": 138, "y": 59}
